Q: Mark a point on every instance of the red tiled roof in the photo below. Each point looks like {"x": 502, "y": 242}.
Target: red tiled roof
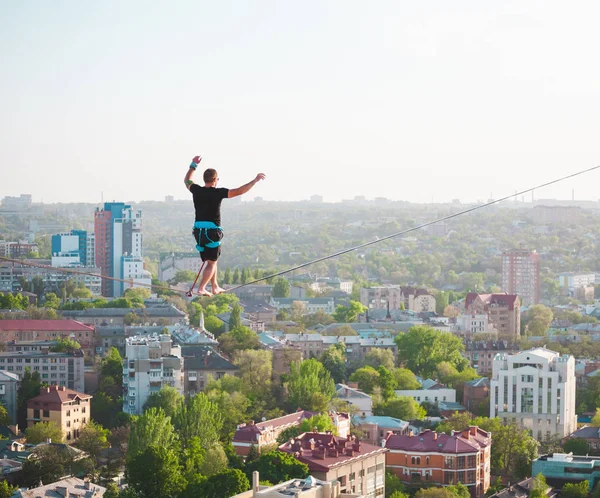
{"x": 250, "y": 432}
{"x": 502, "y": 299}
{"x": 44, "y": 325}
{"x": 57, "y": 394}
{"x": 301, "y": 449}
{"x": 431, "y": 441}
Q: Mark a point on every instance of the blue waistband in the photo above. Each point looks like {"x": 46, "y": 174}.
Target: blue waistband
{"x": 207, "y": 224}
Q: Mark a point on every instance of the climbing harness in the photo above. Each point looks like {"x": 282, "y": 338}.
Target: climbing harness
{"x": 200, "y": 231}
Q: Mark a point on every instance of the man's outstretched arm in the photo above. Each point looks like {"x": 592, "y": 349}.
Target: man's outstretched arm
{"x": 193, "y": 165}
{"x": 234, "y": 192}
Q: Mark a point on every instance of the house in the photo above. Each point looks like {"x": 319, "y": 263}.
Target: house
{"x": 482, "y": 353}
{"x": 436, "y": 459}
{"x": 431, "y": 392}
{"x": 68, "y": 409}
{"x": 502, "y": 310}
{"x": 358, "y": 467}
{"x": 590, "y": 434}
{"x": 200, "y": 364}
{"x": 475, "y": 393}
{"x": 67, "y": 488}
{"x": 266, "y": 433}
{"x": 355, "y": 397}
{"x": 561, "y": 468}
{"x": 397, "y": 297}
{"x": 522, "y": 489}
{"x": 160, "y": 314}
{"x": 9, "y": 384}
{"x": 375, "y": 428}
{"x": 535, "y": 387}
{"x": 47, "y": 330}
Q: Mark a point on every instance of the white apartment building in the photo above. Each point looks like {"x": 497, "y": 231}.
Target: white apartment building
{"x": 412, "y": 298}
{"x": 536, "y": 388}
{"x": 572, "y": 281}
{"x": 151, "y": 362}
{"x": 473, "y": 323}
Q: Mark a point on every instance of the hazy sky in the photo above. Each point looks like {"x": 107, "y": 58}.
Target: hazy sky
{"x": 401, "y": 99}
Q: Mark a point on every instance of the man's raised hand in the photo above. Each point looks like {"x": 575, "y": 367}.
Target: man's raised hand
{"x": 259, "y": 177}
{"x": 197, "y": 159}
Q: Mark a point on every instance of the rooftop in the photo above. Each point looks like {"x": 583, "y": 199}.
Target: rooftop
{"x": 44, "y": 325}
{"x": 468, "y": 441}
{"x": 58, "y": 394}
{"x": 74, "y": 486}
{"x": 199, "y": 357}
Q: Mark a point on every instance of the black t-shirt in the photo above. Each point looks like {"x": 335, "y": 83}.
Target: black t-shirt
{"x": 207, "y": 201}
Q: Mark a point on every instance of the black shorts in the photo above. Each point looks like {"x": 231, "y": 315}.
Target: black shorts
{"x": 205, "y": 236}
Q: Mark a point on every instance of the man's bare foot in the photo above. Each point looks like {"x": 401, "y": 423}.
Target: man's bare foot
{"x": 217, "y": 290}
{"x": 204, "y": 292}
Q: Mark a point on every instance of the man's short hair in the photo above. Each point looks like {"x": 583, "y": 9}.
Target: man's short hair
{"x": 210, "y": 175}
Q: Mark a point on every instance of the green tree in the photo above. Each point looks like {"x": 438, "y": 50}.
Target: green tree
{"x": 309, "y": 386}
{"x": 576, "y": 490}
{"x": 322, "y": 422}
{"x": 281, "y": 288}
{"x": 539, "y": 487}
{"x": 82, "y": 292}
{"x": 435, "y": 493}
{"x": 236, "y": 276}
{"x": 65, "y": 344}
{"x": 405, "y": 379}
{"x": 460, "y": 490}
{"x": 4, "y": 417}
{"x": 596, "y": 418}
{"x": 155, "y": 472}
{"x": 199, "y": 417}
{"x": 577, "y": 446}
{"x": 93, "y": 439}
{"x": 387, "y": 383}
{"x": 348, "y": 314}
{"x": 168, "y": 398}
{"x": 334, "y": 360}
{"x": 184, "y": 276}
{"x": 153, "y": 428}
{"x": 227, "y": 276}
{"x": 402, "y": 407}
{"x": 422, "y": 348}
{"x": 235, "y": 318}
{"x": 441, "y": 301}
{"x": 276, "y": 467}
{"x": 6, "y": 490}
{"x": 229, "y": 482}
{"x": 367, "y": 378}
{"x": 49, "y": 464}
{"x": 538, "y": 319}
{"x": 393, "y": 484}
{"x": 458, "y": 421}
{"x": 42, "y": 432}
{"x": 255, "y": 370}
{"x": 380, "y": 357}
{"x": 240, "y": 338}
{"x": 213, "y": 324}
{"x": 51, "y": 300}
{"x": 233, "y": 406}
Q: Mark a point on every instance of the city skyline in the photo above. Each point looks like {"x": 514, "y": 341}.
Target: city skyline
{"x": 408, "y": 102}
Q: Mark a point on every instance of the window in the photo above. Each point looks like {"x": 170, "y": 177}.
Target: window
{"x": 460, "y": 462}
{"x": 471, "y": 459}
{"x": 471, "y": 476}
{"x": 36, "y": 414}
{"x": 448, "y": 463}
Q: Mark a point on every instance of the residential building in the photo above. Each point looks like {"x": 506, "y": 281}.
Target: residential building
{"x": 171, "y": 262}
{"x": 309, "y": 305}
{"x": 16, "y": 249}
{"x": 351, "y": 395}
{"x": 375, "y": 428}
{"x": 63, "y": 369}
{"x": 475, "y": 393}
{"x": 440, "y": 459}
{"x": 430, "y": 392}
{"x": 200, "y": 365}
{"x": 164, "y": 315}
{"x": 254, "y": 292}
{"x": 265, "y": 433}
{"x": 150, "y": 364}
{"x": 325, "y": 284}
{"x": 561, "y": 468}
{"x": 502, "y": 310}
{"x": 470, "y": 324}
{"x": 358, "y": 467}
{"x": 47, "y": 330}
{"x": 537, "y": 389}
{"x": 119, "y": 252}
{"x": 78, "y": 245}
{"x": 522, "y": 489}
{"x": 68, "y": 409}
{"x": 591, "y": 436}
{"x": 11, "y": 275}
{"x": 398, "y": 297}
{"x": 521, "y": 274}
{"x": 283, "y": 354}
{"x": 481, "y": 354}
{"x": 9, "y": 385}
{"x": 69, "y": 487}
{"x": 21, "y": 203}
{"x": 555, "y": 215}
{"x": 574, "y": 280}
{"x": 298, "y": 488}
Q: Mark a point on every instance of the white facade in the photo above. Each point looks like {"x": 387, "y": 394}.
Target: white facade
{"x": 127, "y": 251}
{"x": 170, "y": 264}
{"x": 429, "y": 395}
{"x": 574, "y": 281}
{"x": 65, "y": 260}
{"x": 91, "y": 249}
{"x": 472, "y": 323}
{"x": 537, "y": 389}
{"x": 150, "y": 364}
{"x": 133, "y": 271}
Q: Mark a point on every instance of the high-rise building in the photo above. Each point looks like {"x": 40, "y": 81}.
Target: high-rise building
{"x": 118, "y": 240}
{"x": 536, "y": 388}
{"x": 521, "y": 274}
{"x": 151, "y": 362}
{"x": 75, "y": 247}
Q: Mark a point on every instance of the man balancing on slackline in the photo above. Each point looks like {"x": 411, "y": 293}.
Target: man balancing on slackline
{"x": 207, "y": 229}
